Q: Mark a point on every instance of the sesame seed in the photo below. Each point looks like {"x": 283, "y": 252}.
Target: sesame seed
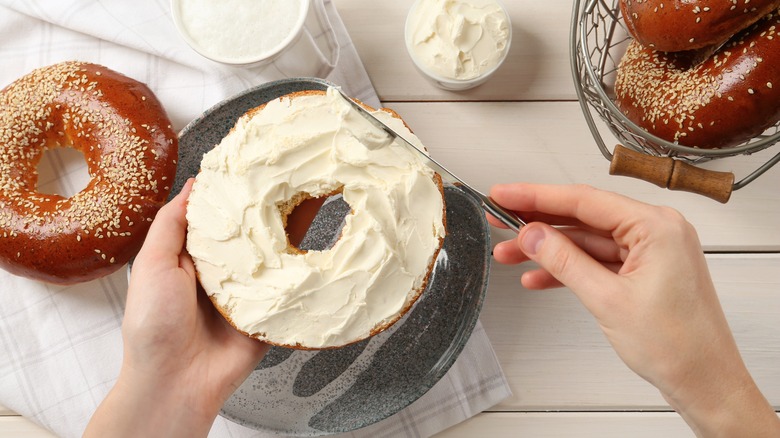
{"x": 64, "y": 105}
{"x": 661, "y": 93}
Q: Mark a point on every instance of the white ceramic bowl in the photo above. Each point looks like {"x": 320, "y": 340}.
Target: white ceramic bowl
{"x": 449, "y": 83}
{"x": 249, "y": 60}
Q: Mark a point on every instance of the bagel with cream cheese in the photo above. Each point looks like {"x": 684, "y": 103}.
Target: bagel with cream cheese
{"x": 312, "y": 144}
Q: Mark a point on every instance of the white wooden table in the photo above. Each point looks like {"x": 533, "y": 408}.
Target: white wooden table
{"x": 526, "y": 125}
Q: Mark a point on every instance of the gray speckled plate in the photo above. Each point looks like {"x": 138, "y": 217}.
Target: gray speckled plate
{"x": 312, "y": 393}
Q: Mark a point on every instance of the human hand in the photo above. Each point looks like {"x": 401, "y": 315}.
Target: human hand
{"x": 640, "y": 270}
{"x": 182, "y": 360}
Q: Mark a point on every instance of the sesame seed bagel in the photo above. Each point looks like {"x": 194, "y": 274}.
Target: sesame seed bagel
{"x": 130, "y": 151}
{"x": 312, "y": 144}
{"x": 725, "y": 100}
{"x": 673, "y": 26}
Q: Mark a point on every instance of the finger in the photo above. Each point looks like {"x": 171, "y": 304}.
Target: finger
{"x": 165, "y": 239}
{"x": 508, "y": 253}
{"x": 566, "y": 262}
{"x": 538, "y": 279}
{"x": 186, "y": 263}
{"x": 603, "y": 249}
{"x": 599, "y": 209}
{"x": 531, "y": 216}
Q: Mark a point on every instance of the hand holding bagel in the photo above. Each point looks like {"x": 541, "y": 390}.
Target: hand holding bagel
{"x": 182, "y": 360}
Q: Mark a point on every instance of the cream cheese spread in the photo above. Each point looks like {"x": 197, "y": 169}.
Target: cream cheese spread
{"x": 314, "y": 144}
{"x": 240, "y": 30}
{"x": 458, "y": 39}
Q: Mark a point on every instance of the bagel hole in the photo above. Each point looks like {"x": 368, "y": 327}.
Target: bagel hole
{"x": 315, "y": 224}
{"x": 62, "y": 171}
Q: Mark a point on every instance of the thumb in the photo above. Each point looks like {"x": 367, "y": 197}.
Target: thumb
{"x": 566, "y": 262}
{"x": 166, "y": 236}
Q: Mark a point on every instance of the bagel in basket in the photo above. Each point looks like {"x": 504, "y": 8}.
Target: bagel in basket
{"x": 674, "y": 26}
{"x": 729, "y": 98}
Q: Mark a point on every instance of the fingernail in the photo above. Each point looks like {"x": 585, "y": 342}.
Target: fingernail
{"x": 532, "y": 241}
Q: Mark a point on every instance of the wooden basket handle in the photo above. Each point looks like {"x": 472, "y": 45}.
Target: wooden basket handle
{"x": 672, "y": 174}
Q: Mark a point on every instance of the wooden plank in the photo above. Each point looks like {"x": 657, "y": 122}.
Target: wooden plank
{"x": 537, "y": 67}
{"x": 549, "y": 142}
{"x": 560, "y": 425}
{"x": 4, "y": 411}
{"x": 498, "y": 425}
{"x": 20, "y": 427}
{"x": 556, "y": 358}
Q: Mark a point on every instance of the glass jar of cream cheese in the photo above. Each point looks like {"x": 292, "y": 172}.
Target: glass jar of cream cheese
{"x": 458, "y": 44}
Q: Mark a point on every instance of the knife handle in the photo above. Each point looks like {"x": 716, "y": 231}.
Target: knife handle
{"x": 672, "y": 174}
{"x": 507, "y": 217}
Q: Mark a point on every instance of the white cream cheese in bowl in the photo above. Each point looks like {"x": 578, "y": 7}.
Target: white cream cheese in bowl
{"x": 240, "y": 32}
{"x": 458, "y": 43}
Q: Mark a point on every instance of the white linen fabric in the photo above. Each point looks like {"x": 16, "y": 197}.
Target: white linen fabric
{"x": 61, "y": 346}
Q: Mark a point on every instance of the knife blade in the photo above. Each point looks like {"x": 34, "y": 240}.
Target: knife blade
{"x": 507, "y": 217}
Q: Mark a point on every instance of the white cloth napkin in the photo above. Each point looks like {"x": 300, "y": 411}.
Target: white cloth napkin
{"x": 61, "y": 347}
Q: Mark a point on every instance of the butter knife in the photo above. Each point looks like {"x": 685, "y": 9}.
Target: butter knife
{"x": 508, "y": 218}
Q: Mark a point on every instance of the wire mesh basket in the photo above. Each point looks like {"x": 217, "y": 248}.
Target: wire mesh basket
{"x": 598, "y": 40}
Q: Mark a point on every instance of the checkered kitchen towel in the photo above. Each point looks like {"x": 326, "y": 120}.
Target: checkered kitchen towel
{"x": 60, "y": 347}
